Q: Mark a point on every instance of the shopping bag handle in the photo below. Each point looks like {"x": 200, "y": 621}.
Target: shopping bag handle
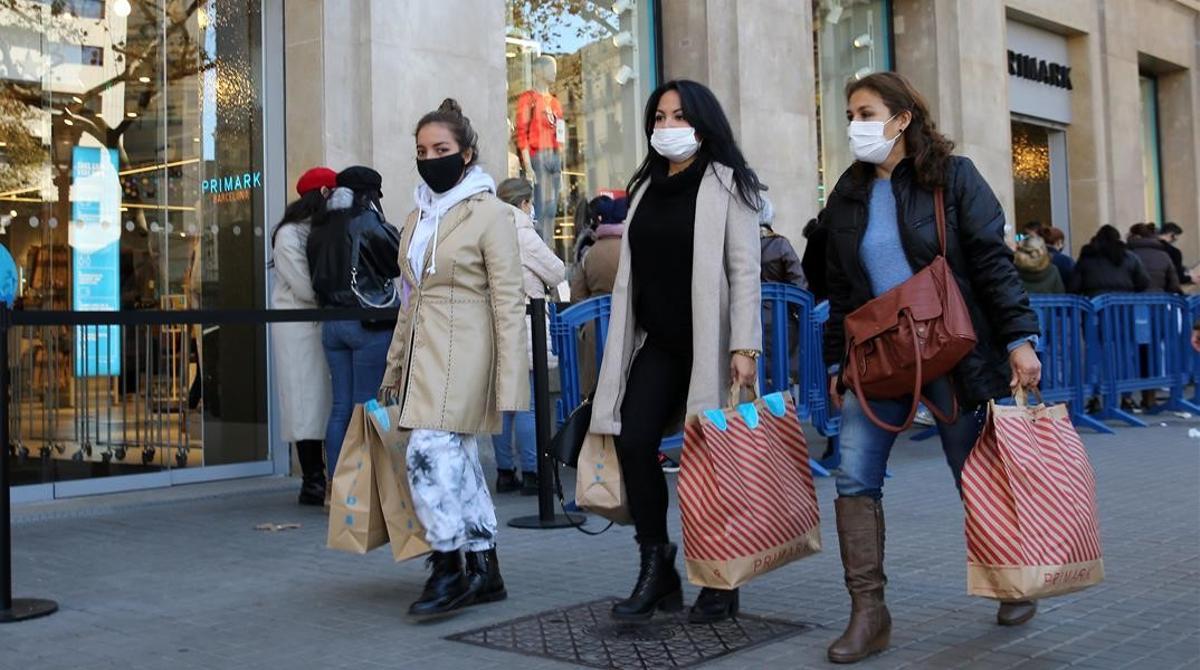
{"x": 1021, "y": 396}
{"x": 735, "y": 393}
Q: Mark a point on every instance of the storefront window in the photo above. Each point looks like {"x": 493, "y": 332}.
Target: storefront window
{"x": 131, "y": 173}
{"x": 853, "y": 39}
{"x": 1151, "y": 166}
{"x": 578, "y": 75}
{"x": 1031, "y": 174}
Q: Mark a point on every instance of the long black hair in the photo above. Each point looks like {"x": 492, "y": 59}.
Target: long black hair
{"x": 1107, "y": 243}
{"x": 308, "y": 207}
{"x": 703, "y": 111}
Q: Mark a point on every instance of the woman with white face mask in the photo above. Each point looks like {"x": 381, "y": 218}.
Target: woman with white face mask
{"x": 882, "y": 230}
{"x": 685, "y": 318}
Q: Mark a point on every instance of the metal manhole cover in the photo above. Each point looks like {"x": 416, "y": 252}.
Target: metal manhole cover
{"x": 586, "y": 635}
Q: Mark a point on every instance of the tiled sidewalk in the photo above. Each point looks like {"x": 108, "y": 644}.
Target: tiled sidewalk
{"x": 180, "y": 579}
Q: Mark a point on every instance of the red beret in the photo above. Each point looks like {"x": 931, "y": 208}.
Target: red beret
{"x": 315, "y": 178}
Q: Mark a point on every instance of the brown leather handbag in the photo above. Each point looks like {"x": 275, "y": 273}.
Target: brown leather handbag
{"x": 909, "y": 336}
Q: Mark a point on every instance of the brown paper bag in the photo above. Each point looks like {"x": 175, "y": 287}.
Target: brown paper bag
{"x": 599, "y": 487}
{"x": 389, "y": 447}
{"x": 356, "y": 520}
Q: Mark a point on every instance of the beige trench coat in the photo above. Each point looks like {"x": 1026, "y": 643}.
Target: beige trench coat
{"x": 726, "y": 297}
{"x": 458, "y": 351}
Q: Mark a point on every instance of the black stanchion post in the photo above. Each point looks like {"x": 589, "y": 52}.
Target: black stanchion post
{"x": 11, "y": 609}
{"x": 546, "y": 518}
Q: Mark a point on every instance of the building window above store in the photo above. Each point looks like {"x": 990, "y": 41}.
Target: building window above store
{"x": 578, "y": 75}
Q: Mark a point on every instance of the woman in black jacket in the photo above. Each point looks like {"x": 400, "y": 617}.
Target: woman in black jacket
{"x": 882, "y": 229}
{"x": 1106, "y": 265}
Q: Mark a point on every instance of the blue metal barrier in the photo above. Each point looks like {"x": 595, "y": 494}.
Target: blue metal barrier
{"x": 1143, "y": 344}
{"x": 1063, "y": 349}
{"x": 565, "y": 330}
{"x": 1194, "y": 309}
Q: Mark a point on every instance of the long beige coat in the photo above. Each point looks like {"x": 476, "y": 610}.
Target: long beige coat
{"x": 300, "y": 368}
{"x": 726, "y": 295}
{"x": 458, "y": 352}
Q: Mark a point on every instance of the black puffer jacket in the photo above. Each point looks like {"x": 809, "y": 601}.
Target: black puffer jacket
{"x": 975, "y": 248}
{"x": 780, "y": 263}
{"x": 331, "y": 244}
{"x": 1095, "y": 273}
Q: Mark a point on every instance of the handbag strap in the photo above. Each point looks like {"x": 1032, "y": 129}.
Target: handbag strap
{"x": 562, "y": 504}
{"x": 939, "y": 211}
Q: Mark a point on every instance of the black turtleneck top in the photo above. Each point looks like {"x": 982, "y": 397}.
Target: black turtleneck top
{"x": 661, "y": 238}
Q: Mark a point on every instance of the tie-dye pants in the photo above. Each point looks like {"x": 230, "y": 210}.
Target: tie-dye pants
{"x": 449, "y": 491}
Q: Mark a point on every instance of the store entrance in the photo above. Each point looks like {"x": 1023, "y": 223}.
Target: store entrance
{"x": 1039, "y": 166}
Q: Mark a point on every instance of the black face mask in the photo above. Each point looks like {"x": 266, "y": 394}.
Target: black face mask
{"x": 441, "y": 174}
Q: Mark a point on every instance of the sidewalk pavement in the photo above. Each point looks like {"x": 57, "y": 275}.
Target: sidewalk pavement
{"x": 181, "y": 579}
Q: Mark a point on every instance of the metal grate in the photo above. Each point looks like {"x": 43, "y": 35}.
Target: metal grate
{"x": 586, "y": 635}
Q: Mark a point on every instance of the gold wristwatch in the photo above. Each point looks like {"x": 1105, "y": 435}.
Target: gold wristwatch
{"x": 748, "y": 353}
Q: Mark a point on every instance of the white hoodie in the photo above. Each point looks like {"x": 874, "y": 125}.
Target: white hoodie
{"x": 433, "y": 207}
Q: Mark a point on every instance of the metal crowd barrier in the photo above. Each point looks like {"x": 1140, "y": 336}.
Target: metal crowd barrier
{"x": 1194, "y": 309}
{"x": 1142, "y": 342}
{"x": 1064, "y": 348}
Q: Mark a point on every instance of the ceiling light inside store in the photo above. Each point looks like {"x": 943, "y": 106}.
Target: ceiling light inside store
{"x": 132, "y": 115}
{"x": 196, "y": 140}
{"x": 146, "y": 80}
{"x": 621, "y": 6}
{"x": 862, "y": 72}
{"x": 12, "y": 213}
{"x": 77, "y": 99}
{"x": 202, "y": 18}
{"x": 623, "y": 39}
{"x": 68, "y": 122}
{"x": 863, "y": 41}
{"x": 121, "y": 8}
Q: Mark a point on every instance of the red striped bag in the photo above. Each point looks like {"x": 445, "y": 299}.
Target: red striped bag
{"x": 1030, "y": 499}
{"x": 746, "y": 492}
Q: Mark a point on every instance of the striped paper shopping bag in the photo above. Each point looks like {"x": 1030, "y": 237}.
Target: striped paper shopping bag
{"x": 746, "y": 493}
{"x": 1030, "y": 499}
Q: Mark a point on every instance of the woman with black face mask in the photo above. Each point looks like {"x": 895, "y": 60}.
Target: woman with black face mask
{"x": 457, "y": 358}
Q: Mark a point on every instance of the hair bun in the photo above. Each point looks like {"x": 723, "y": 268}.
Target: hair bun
{"x": 450, "y": 105}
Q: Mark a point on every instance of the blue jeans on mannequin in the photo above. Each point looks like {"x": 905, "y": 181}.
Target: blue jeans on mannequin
{"x": 547, "y": 172}
{"x": 357, "y": 361}
{"x": 525, "y": 426}
{"x": 865, "y": 447}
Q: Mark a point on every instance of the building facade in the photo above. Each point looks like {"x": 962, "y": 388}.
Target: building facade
{"x": 148, "y": 147}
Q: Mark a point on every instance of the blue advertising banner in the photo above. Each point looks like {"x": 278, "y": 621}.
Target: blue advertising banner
{"x": 95, "y": 239}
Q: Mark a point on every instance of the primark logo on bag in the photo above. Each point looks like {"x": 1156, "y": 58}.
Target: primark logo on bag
{"x": 1067, "y": 577}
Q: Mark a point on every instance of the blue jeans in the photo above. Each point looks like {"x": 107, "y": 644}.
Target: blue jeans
{"x": 357, "y": 360}
{"x": 526, "y": 438}
{"x": 865, "y": 447}
{"x": 547, "y": 171}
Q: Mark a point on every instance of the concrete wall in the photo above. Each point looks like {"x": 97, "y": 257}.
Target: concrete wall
{"x": 360, "y": 74}
{"x": 768, "y": 92}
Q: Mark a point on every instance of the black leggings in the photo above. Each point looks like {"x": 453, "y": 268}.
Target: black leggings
{"x": 655, "y": 394}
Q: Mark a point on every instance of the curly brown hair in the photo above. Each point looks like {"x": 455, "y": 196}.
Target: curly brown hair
{"x": 929, "y": 149}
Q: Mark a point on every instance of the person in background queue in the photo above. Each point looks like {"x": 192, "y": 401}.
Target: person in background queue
{"x": 1160, "y": 268}
{"x": 541, "y": 268}
{"x": 1056, "y": 241}
{"x": 356, "y": 351}
{"x": 457, "y": 359}
{"x": 304, "y": 386}
{"x": 1106, "y": 265}
{"x": 882, "y": 230}
{"x": 1035, "y": 267}
{"x": 687, "y": 290}
{"x": 1169, "y": 236}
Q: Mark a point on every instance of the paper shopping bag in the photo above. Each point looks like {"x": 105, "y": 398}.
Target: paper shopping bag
{"x": 599, "y": 487}
{"x": 355, "y": 516}
{"x": 389, "y": 448}
{"x": 746, "y": 492}
{"x": 1030, "y": 499}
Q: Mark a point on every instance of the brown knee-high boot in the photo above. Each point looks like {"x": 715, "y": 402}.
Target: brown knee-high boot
{"x": 860, "y": 534}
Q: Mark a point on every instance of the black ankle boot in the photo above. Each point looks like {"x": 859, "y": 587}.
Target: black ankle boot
{"x": 311, "y": 454}
{"x": 658, "y": 586}
{"x": 483, "y": 577}
{"x": 507, "y": 482}
{"x": 714, "y": 605}
{"x": 446, "y": 590}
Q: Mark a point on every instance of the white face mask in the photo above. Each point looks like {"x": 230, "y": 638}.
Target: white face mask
{"x": 868, "y": 143}
{"x": 675, "y": 144}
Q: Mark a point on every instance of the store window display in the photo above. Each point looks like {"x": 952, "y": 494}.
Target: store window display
{"x": 131, "y": 171}
{"x": 578, "y": 73}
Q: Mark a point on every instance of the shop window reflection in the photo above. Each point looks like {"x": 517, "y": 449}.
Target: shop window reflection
{"x": 1031, "y": 174}
{"x": 113, "y": 117}
{"x": 578, "y": 73}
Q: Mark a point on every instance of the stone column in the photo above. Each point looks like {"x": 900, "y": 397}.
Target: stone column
{"x": 757, "y": 56}
{"x": 361, "y": 74}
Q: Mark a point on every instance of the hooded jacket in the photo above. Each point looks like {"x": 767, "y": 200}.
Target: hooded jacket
{"x": 596, "y": 273}
{"x": 1038, "y": 273}
{"x": 1163, "y": 275}
{"x": 977, "y": 253}
{"x": 779, "y": 260}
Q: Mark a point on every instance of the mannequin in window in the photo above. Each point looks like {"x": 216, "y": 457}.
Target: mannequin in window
{"x": 540, "y": 130}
